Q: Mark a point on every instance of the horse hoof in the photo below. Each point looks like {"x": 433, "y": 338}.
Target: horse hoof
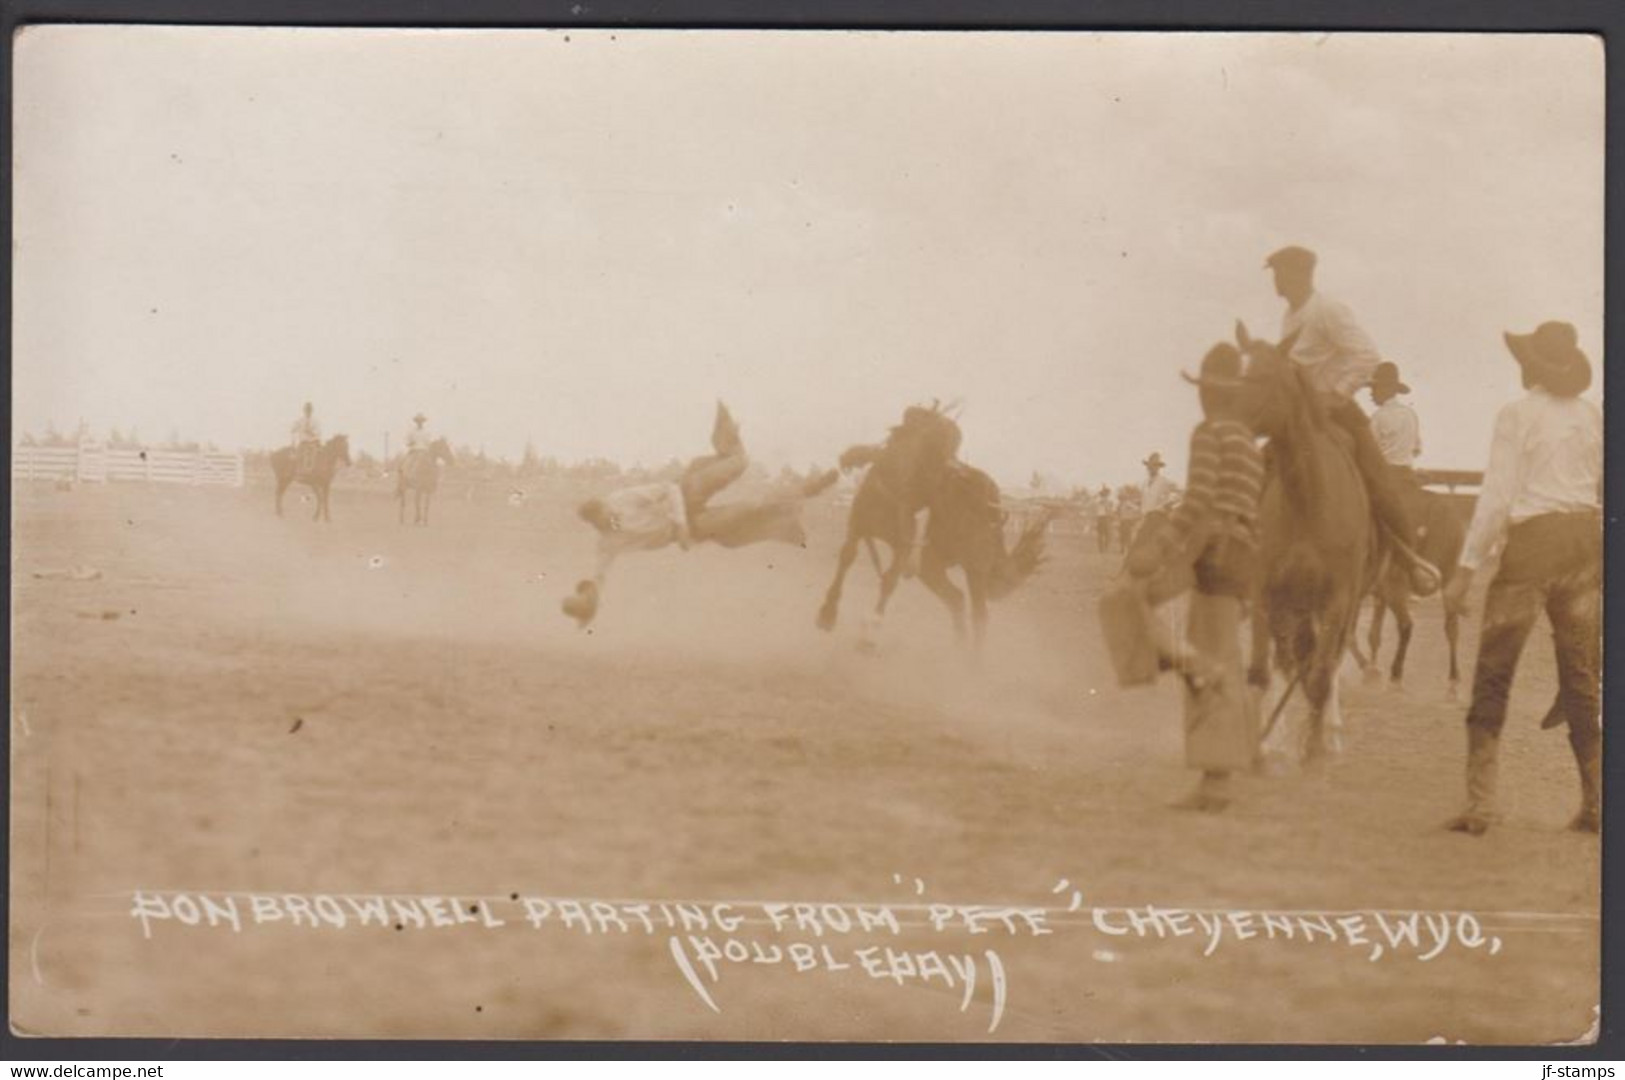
{"x": 826, "y": 620}
{"x": 1471, "y": 824}
{"x": 1373, "y": 676}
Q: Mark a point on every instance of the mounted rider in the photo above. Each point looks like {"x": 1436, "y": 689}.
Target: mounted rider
{"x": 1338, "y": 359}
{"x": 306, "y": 440}
{"x": 418, "y": 443}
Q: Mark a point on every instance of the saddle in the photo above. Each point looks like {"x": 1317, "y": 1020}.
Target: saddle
{"x": 306, "y": 458}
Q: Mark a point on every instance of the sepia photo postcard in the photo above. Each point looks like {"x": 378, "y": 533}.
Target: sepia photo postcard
{"x": 952, "y": 537}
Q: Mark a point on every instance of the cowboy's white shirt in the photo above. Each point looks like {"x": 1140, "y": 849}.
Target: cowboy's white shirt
{"x": 1159, "y": 494}
{"x": 645, "y": 517}
{"x": 1545, "y": 457}
{"x": 419, "y": 439}
{"x": 1398, "y": 432}
{"x": 306, "y": 428}
{"x": 1340, "y": 357}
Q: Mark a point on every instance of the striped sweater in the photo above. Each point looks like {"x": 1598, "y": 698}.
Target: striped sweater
{"x": 1226, "y": 476}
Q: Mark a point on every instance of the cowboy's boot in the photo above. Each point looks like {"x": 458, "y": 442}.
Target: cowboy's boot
{"x": 1483, "y": 749}
{"x": 1588, "y": 756}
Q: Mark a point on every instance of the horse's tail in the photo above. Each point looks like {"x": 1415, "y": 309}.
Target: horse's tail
{"x": 1022, "y": 561}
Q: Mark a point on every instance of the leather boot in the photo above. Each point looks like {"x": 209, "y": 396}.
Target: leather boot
{"x": 1588, "y": 756}
{"x": 1483, "y": 749}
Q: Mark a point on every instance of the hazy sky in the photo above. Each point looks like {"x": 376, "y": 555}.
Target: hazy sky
{"x": 585, "y": 238}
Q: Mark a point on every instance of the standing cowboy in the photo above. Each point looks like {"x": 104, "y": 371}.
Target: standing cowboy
{"x": 1157, "y": 499}
{"x": 1128, "y": 514}
{"x": 1540, "y": 505}
{"x": 306, "y": 438}
{"x": 1339, "y": 359}
{"x": 648, "y": 517}
{"x": 1105, "y": 519}
{"x": 1210, "y": 542}
{"x": 1159, "y": 490}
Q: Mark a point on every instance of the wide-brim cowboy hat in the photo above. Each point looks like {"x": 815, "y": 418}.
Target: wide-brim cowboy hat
{"x": 1387, "y": 377}
{"x": 1154, "y": 459}
{"x": 1551, "y": 356}
{"x": 420, "y": 419}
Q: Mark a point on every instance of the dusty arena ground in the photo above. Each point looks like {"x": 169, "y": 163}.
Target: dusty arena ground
{"x": 245, "y": 705}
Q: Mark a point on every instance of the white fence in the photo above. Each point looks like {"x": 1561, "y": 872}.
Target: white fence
{"x": 92, "y": 463}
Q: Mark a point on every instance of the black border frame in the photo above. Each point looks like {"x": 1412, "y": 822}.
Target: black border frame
{"x": 1600, "y": 17}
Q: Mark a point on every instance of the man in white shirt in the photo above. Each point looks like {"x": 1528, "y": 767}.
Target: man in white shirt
{"x": 1159, "y": 490}
{"x": 1394, "y": 425}
{"x": 1339, "y": 358}
{"x": 1540, "y": 508}
{"x": 419, "y": 438}
{"x": 306, "y": 438}
{"x": 647, "y": 517}
{"x": 418, "y": 442}
{"x": 1399, "y": 436}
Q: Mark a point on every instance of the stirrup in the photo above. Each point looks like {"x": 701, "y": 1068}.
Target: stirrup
{"x": 1426, "y": 579}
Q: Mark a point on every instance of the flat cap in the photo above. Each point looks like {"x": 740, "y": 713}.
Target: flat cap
{"x": 1291, "y": 258}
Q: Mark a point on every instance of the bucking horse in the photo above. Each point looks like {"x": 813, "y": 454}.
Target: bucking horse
{"x": 317, "y": 472}
{"x": 916, "y": 469}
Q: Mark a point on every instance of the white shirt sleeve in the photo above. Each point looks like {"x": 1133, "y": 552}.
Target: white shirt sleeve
{"x": 1354, "y": 347}
{"x": 1488, "y": 529}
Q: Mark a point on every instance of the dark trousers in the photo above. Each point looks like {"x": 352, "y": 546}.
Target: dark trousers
{"x": 1551, "y": 563}
{"x": 1387, "y": 502}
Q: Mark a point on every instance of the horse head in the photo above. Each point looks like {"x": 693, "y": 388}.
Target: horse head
{"x": 442, "y": 450}
{"x": 1271, "y": 392}
{"x": 920, "y": 448}
{"x": 338, "y": 449}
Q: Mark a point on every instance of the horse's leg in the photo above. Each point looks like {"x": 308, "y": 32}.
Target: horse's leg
{"x": 1318, "y": 685}
{"x": 1258, "y": 666}
{"x": 1452, "y": 634}
{"x": 400, "y": 499}
{"x": 281, "y": 486}
{"x": 832, "y": 598}
{"x": 1402, "y": 618}
{"x": 934, "y": 576}
{"x": 889, "y": 580}
{"x": 976, "y": 582}
{"x": 1379, "y": 611}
